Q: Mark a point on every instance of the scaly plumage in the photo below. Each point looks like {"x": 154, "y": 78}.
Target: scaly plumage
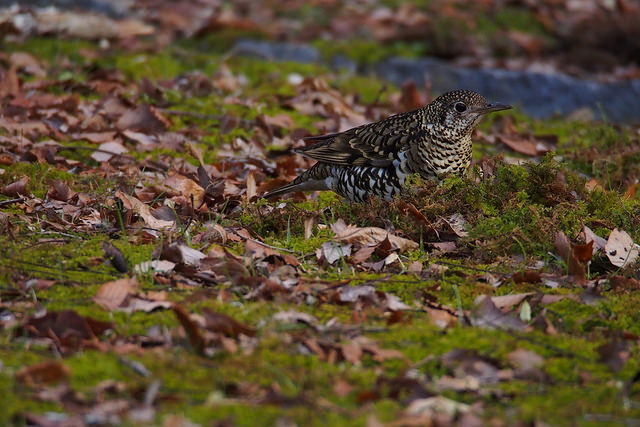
{"x": 375, "y": 159}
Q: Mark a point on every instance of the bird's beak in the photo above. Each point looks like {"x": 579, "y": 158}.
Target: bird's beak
{"x": 490, "y": 108}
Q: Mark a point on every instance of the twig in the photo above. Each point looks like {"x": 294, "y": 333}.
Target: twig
{"x": 99, "y": 150}
{"x": 10, "y": 201}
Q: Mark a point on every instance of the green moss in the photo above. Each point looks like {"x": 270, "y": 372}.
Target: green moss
{"x": 515, "y": 211}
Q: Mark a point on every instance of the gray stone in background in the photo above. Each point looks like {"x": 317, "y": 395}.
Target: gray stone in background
{"x": 538, "y": 95}
{"x": 277, "y": 51}
{"x": 112, "y": 8}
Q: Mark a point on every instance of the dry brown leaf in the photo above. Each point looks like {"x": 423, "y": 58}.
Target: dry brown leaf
{"x": 251, "y": 186}
{"x": 352, "y": 353}
{"x": 47, "y": 372}
{"x": 191, "y": 327}
{"x": 527, "y": 276}
{"x": 9, "y": 82}
{"x": 145, "y": 118}
{"x": 227, "y": 325}
{"x": 59, "y": 190}
{"x": 309, "y": 222}
{"x": 112, "y": 294}
{"x": 525, "y": 144}
{"x": 144, "y": 211}
{"x": 521, "y": 358}
{"x": 27, "y": 63}
{"x": 66, "y": 325}
{"x": 564, "y": 247}
{"x": 441, "y": 317}
{"x": 508, "y": 301}
{"x": 186, "y": 187}
{"x": 486, "y": 314}
{"x": 614, "y": 354}
{"x": 362, "y": 254}
{"x": 16, "y": 188}
{"x": 368, "y": 236}
{"x": 624, "y": 284}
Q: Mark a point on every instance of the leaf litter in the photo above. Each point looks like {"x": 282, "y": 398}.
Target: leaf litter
{"x": 363, "y": 292}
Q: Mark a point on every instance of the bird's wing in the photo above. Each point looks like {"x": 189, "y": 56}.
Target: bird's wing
{"x": 372, "y": 144}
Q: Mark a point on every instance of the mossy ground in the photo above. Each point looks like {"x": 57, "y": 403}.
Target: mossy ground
{"x": 513, "y": 214}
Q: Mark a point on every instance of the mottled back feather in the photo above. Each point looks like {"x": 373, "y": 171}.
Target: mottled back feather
{"x": 373, "y": 144}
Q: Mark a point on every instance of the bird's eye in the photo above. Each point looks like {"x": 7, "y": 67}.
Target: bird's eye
{"x": 460, "y": 107}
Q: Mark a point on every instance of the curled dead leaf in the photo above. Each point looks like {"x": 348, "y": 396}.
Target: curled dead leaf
{"x": 368, "y": 236}
{"x": 16, "y": 188}
{"x": 144, "y": 211}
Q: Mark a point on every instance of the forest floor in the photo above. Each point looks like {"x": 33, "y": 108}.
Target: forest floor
{"x": 144, "y": 281}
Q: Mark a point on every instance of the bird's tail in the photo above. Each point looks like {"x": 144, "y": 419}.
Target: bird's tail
{"x": 296, "y": 185}
{"x": 314, "y": 179}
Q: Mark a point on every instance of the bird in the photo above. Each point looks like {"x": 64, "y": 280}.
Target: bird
{"x": 376, "y": 159}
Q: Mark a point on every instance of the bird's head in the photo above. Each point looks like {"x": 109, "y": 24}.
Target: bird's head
{"x": 458, "y": 112}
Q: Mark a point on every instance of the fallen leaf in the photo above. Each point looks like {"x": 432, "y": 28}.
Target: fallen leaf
{"x": 112, "y": 294}
{"x": 178, "y": 252}
{"x": 67, "y": 325}
{"x": 576, "y": 269}
{"x": 620, "y": 248}
{"x": 47, "y": 372}
{"x": 144, "y": 211}
{"x": 135, "y": 303}
{"x": 59, "y": 190}
{"x": 369, "y": 236}
{"x": 506, "y": 301}
{"x": 292, "y": 316}
{"x": 352, "y": 353}
{"x": 332, "y": 251}
{"x": 458, "y": 225}
{"x": 186, "y": 187}
{"x": 145, "y": 118}
{"x": 525, "y": 359}
{"x": 251, "y": 186}
{"x": 309, "y": 223}
{"x": 599, "y": 243}
{"x": 156, "y": 265}
{"x": 526, "y": 144}
{"x": 443, "y": 317}
{"x": 527, "y": 276}
{"x": 227, "y": 325}
{"x": 16, "y": 188}
{"x": 411, "y": 98}
{"x": 624, "y": 284}
{"x": 486, "y": 314}
{"x": 108, "y": 150}
{"x": 363, "y": 254}
{"x": 191, "y": 327}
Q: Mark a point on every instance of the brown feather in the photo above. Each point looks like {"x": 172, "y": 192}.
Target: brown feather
{"x": 367, "y": 145}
